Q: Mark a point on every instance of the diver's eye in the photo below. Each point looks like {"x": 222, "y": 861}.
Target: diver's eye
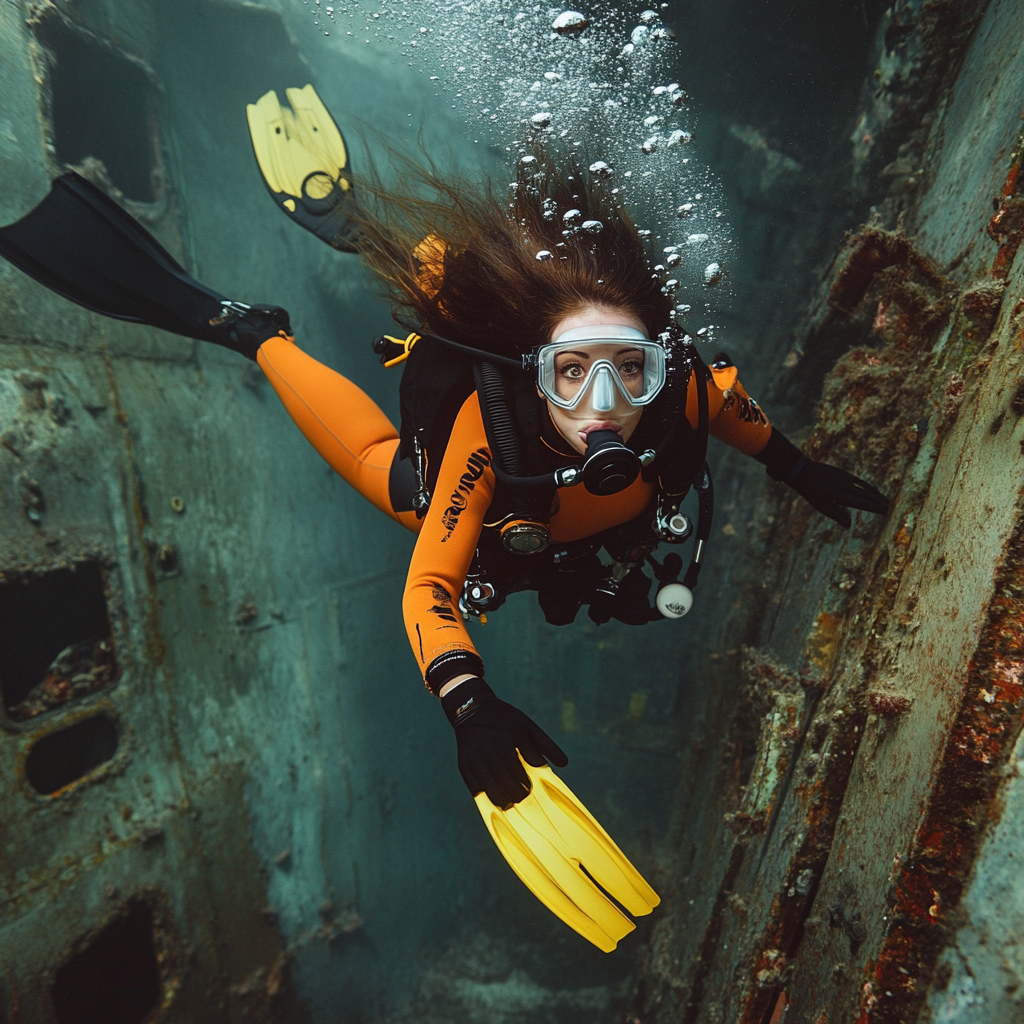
{"x": 631, "y": 367}
{"x": 572, "y": 371}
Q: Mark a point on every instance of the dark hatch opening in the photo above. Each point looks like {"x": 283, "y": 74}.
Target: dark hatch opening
{"x": 102, "y": 107}
{"x": 55, "y": 639}
{"x": 115, "y": 979}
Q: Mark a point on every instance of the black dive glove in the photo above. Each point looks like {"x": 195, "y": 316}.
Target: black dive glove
{"x": 488, "y": 731}
{"x": 829, "y": 489}
{"x": 243, "y": 328}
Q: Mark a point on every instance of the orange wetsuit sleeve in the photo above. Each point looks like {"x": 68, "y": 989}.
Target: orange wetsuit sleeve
{"x": 444, "y": 551}
{"x": 735, "y": 417}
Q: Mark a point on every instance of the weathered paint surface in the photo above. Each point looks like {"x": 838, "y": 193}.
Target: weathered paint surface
{"x": 246, "y": 802}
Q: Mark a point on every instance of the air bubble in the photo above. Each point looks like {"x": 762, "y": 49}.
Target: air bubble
{"x": 545, "y": 254}
{"x": 600, "y": 169}
{"x": 541, "y": 120}
{"x": 592, "y": 226}
{"x": 712, "y": 274}
{"x": 568, "y": 23}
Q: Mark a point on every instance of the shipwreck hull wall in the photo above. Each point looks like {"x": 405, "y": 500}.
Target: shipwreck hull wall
{"x": 832, "y": 861}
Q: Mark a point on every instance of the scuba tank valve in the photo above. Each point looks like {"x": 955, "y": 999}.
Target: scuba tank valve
{"x": 608, "y": 466}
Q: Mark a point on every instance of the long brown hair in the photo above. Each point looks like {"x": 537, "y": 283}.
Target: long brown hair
{"x": 494, "y": 293}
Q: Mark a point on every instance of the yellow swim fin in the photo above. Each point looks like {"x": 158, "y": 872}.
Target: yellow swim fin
{"x": 557, "y": 848}
{"x": 304, "y": 163}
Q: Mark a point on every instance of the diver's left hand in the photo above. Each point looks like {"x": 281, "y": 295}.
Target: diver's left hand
{"x": 829, "y": 489}
{"x": 832, "y": 491}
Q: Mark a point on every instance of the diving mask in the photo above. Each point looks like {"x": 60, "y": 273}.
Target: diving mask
{"x": 603, "y": 365}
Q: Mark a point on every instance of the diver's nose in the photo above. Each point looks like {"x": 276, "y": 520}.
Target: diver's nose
{"x": 603, "y": 394}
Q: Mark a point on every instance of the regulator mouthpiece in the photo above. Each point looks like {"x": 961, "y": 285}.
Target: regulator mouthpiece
{"x": 609, "y": 466}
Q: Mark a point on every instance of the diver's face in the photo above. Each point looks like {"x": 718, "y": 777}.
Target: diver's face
{"x": 571, "y": 367}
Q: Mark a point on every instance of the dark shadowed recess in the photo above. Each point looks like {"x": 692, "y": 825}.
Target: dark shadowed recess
{"x": 791, "y": 68}
{"x": 62, "y": 757}
{"x": 101, "y": 106}
{"x": 40, "y": 616}
{"x": 115, "y": 979}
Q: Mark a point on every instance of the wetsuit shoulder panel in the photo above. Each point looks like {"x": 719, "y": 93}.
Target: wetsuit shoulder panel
{"x": 735, "y": 417}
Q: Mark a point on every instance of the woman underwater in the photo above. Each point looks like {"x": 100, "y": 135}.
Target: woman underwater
{"x": 550, "y": 406}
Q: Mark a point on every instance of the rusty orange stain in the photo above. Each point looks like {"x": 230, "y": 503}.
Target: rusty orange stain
{"x": 821, "y": 645}
{"x": 1006, "y": 228}
{"x": 928, "y": 882}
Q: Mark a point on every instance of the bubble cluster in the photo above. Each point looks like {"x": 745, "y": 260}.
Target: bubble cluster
{"x": 598, "y": 80}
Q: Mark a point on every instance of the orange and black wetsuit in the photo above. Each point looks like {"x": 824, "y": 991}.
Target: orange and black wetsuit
{"x": 359, "y": 442}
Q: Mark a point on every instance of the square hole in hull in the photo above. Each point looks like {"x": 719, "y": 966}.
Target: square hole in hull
{"x": 55, "y": 639}
{"x": 101, "y": 106}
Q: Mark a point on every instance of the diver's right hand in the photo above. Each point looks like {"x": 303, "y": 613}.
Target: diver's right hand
{"x": 488, "y": 732}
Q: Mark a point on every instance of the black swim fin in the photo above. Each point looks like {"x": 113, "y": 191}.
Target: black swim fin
{"x": 80, "y": 244}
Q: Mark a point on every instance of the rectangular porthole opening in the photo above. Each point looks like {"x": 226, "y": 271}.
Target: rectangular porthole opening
{"x": 115, "y": 978}
{"x": 101, "y": 108}
{"x": 67, "y": 755}
{"x": 55, "y": 639}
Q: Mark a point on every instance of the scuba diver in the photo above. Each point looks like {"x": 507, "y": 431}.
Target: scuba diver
{"x": 550, "y": 409}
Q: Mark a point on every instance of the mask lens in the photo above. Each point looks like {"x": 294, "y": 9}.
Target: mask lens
{"x": 606, "y": 370}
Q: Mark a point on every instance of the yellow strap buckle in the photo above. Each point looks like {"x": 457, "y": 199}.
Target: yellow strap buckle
{"x": 406, "y": 344}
